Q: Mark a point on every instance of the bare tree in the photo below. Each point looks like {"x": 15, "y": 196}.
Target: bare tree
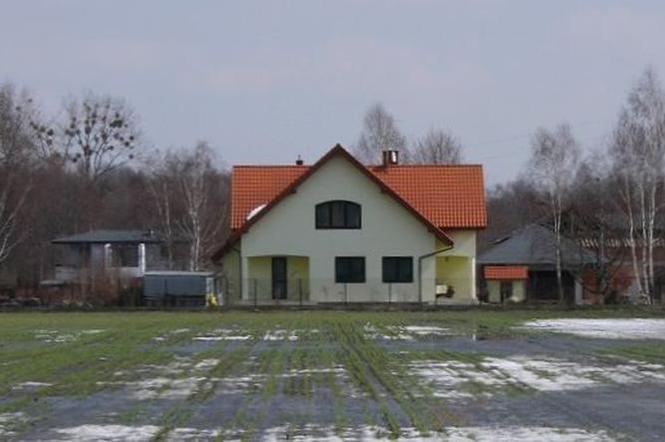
{"x": 553, "y": 163}
{"x": 593, "y": 221}
{"x": 379, "y": 133}
{"x": 638, "y": 151}
{"x": 163, "y": 187}
{"x": 190, "y": 195}
{"x": 99, "y": 135}
{"x": 437, "y": 147}
{"x": 16, "y": 149}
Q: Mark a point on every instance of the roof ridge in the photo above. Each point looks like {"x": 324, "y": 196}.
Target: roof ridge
{"x": 397, "y": 166}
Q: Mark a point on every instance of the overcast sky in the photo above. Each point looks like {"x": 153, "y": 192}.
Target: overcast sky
{"x": 266, "y": 81}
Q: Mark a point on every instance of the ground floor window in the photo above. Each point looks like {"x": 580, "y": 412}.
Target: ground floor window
{"x": 125, "y": 255}
{"x": 397, "y": 269}
{"x": 350, "y": 269}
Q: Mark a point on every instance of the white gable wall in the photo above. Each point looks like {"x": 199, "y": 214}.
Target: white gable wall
{"x": 388, "y": 229}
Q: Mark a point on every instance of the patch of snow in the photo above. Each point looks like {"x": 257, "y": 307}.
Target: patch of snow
{"x": 56, "y": 337}
{"x": 425, "y": 330}
{"x": 448, "y": 377}
{"x": 29, "y": 385}
{"x": 109, "y": 433}
{"x": 10, "y": 420}
{"x": 280, "y": 335}
{"x": 603, "y": 328}
{"x": 456, "y": 434}
{"x": 193, "y": 434}
{"x": 223, "y": 334}
{"x": 516, "y": 433}
{"x": 404, "y": 333}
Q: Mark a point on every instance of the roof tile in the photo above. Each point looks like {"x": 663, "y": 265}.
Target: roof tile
{"x": 450, "y": 196}
{"x": 506, "y": 272}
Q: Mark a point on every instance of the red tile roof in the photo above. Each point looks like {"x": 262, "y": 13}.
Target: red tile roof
{"x": 506, "y": 272}
{"x": 252, "y": 186}
{"x": 449, "y": 196}
{"x": 442, "y": 197}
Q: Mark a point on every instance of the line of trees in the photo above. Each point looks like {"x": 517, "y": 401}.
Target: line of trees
{"x": 611, "y": 199}
{"x": 90, "y": 168}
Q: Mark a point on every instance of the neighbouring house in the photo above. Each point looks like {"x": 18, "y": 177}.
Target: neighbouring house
{"x": 124, "y": 254}
{"x": 339, "y": 231}
{"x": 522, "y": 267}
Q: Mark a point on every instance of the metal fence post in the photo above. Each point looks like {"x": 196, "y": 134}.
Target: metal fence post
{"x": 346, "y": 294}
{"x": 256, "y": 300}
{"x": 390, "y": 292}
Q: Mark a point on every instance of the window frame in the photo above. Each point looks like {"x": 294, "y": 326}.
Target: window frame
{"x": 397, "y": 277}
{"x": 346, "y": 280}
{"x": 326, "y": 220}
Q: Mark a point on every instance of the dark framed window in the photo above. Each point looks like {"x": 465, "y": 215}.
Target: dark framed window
{"x": 338, "y": 215}
{"x": 126, "y": 255}
{"x": 397, "y": 269}
{"x": 349, "y": 269}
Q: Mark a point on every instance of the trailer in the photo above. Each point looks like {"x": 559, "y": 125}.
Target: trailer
{"x": 175, "y": 288}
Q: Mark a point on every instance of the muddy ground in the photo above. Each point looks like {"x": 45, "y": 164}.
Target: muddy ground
{"x": 360, "y": 378}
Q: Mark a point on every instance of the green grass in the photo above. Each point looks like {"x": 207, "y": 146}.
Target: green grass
{"x": 378, "y": 380}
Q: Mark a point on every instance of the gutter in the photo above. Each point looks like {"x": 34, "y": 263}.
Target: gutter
{"x": 420, "y": 268}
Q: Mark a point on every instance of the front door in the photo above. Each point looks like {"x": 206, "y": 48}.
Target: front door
{"x": 279, "y": 284}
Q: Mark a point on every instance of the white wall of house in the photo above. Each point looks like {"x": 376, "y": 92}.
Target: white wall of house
{"x": 388, "y": 229}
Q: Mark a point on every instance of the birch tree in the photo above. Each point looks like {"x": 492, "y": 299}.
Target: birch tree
{"x": 204, "y": 193}
{"x": 554, "y": 158}
{"x": 437, "y": 147}
{"x": 16, "y": 148}
{"x": 638, "y": 152}
{"x": 380, "y": 132}
{"x": 163, "y": 188}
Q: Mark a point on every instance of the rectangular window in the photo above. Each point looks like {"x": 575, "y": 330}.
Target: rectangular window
{"x": 349, "y": 269}
{"x": 397, "y": 269}
{"x": 126, "y": 255}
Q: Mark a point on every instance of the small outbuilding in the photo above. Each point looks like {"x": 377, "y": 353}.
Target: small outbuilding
{"x": 506, "y": 283}
{"x": 522, "y": 267}
{"x": 180, "y": 288}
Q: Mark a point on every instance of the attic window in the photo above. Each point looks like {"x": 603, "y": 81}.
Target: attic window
{"x": 338, "y": 215}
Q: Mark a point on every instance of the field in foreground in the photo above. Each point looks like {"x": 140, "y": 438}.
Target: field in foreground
{"x": 471, "y": 375}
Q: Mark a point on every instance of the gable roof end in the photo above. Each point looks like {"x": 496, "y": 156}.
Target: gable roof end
{"x": 337, "y": 150}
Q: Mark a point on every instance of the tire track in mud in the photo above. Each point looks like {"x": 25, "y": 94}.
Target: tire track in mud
{"x": 372, "y": 368}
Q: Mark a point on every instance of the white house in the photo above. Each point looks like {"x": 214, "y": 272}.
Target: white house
{"x": 339, "y": 231}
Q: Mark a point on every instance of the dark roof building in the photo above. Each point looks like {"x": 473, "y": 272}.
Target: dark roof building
{"x": 110, "y": 237}
{"x": 529, "y": 254}
{"x": 535, "y": 245}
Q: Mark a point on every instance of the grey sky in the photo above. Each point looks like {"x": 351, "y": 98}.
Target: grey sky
{"x": 266, "y": 81}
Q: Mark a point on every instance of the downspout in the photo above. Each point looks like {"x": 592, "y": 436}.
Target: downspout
{"x": 420, "y": 268}
{"x": 239, "y": 271}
